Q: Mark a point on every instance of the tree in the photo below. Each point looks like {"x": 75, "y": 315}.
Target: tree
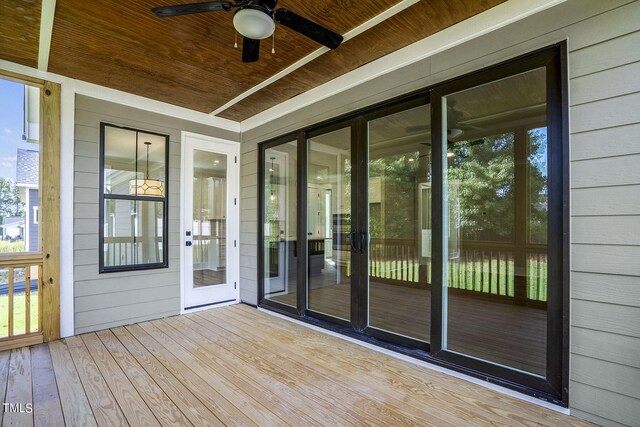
{"x": 10, "y": 204}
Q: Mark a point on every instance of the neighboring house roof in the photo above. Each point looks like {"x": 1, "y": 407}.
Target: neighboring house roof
{"x": 27, "y": 167}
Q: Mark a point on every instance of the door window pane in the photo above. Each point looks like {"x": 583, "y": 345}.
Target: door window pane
{"x": 329, "y": 223}
{"x": 280, "y": 250}
{"x": 209, "y": 218}
{"x": 496, "y": 212}
{"x": 400, "y": 223}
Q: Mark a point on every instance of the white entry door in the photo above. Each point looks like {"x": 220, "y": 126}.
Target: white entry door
{"x": 210, "y": 218}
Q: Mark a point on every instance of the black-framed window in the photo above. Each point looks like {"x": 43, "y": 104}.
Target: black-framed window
{"x": 458, "y": 228}
{"x": 134, "y": 176}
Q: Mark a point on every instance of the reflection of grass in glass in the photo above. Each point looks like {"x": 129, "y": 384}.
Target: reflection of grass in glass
{"x": 461, "y": 276}
{"x": 18, "y": 314}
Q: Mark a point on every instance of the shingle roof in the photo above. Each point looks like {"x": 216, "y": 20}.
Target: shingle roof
{"x": 27, "y": 167}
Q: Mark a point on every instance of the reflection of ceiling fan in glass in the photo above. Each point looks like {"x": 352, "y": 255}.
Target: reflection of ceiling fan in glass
{"x": 256, "y": 20}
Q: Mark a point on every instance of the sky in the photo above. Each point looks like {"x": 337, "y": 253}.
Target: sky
{"x": 11, "y": 127}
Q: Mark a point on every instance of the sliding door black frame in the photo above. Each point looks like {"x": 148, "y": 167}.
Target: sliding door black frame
{"x": 301, "y": 250}
{"x": 554, "y": 387}
{"x": 352, "y": 125}
{"x": 549, "y": 59}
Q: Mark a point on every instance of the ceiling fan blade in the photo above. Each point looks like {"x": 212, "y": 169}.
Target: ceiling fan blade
{"x": 191, "y": 8}
{"x": 250, "y": 50}
{"x": 308, "y": 28}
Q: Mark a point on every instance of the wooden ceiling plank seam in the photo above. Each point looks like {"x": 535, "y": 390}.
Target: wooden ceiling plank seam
{"x": 47, "y": 13}
{"x": 381, "y": 17}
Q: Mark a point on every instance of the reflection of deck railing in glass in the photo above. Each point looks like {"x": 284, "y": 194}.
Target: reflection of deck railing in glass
{"x": 202, "y": 256}
{"x": 481, "y": 267}
{"x": 123, "y": 251}
{"x": 20, "y": 300}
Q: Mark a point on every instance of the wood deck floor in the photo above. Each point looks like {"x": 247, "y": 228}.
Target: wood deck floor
{"x": 500, "y": 332}
{"x": 239, "y": 366}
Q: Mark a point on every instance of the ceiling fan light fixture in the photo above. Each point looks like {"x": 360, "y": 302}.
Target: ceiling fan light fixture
{"x": 253, "y": 23}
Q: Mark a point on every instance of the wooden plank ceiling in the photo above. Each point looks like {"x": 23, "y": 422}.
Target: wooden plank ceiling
{"x": 20, "y": 31}
{"x": 190, "y": 61}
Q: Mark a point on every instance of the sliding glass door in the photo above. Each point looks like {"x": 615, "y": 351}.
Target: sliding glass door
{"x": 399, "y": 223}
{"x": 329, "y": 223}
{"x": 433, "y": 224}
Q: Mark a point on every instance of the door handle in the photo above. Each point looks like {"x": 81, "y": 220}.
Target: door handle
{"x": 363, "y": 240}
{"x": 352, "y": 240}
{"x": 189, "y": 243}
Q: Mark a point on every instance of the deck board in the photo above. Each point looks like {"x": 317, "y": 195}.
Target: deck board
{"x": 240, "y": 366}
{"x": 19, "y": 389}
{"x": 5, "y": 356}
{"x": 46, "y": 400}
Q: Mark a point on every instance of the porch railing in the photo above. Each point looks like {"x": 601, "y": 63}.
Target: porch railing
{"x": 20, "y": 300}
{"x": 479, "y": 267}
{"x": 124, "y": 251}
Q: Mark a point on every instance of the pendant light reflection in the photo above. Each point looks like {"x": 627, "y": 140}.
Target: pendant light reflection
{"x": 146, "y": 186}
{"x": 272, "y": 197}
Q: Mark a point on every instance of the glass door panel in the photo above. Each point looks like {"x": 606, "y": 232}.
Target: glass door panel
{"x": 329, "y": 217}
{"x": 495, "y": 210}
{"x": 399, "y": 270}
{"x": 209, "y": 218}
{"x": 280, "y": 213}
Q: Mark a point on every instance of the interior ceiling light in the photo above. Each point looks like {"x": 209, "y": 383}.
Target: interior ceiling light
{"x": 146, "y": 186}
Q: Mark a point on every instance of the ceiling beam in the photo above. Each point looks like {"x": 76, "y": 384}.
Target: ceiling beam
{"x": 47, "y": 13}
{"x": 397, "y": 8}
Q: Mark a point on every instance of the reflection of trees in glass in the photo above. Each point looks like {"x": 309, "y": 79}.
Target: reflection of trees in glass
{"x": 538, "y": 190}
{"x": 484, "y": 173}
{"x": 396, "y": 217}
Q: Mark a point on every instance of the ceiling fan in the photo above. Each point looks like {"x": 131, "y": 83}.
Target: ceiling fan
{"x": 256, "y": 20}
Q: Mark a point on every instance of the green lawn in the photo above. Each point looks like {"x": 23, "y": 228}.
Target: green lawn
{"x": 18, "y": 314}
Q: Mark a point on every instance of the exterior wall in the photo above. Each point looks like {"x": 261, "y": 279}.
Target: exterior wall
{"x": 110, "y": 299}
{"x": 604, "y": 65}
{"x": 32, "y": 243}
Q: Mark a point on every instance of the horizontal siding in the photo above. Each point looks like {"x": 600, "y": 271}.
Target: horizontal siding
{"x": 607, "y": 405}
{"x": 602, "y": 230}
{"x": 113, "y": 299}
{"x": 612, "y": 289}
{"x": 248, "y": 223}
{"x": 625, "y": 141}
{"x": 616, "y": 348}
{"x": 604, "y": 65}
{"x": 612, "y": 318}
{"x": 612, "y": 171}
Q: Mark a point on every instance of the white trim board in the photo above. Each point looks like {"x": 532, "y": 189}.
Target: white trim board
{"x": 474, "y": 27}
{"x": 403, "y": 357}
{"x": 393, "y": 10}
{"x": 46, "y": 30}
